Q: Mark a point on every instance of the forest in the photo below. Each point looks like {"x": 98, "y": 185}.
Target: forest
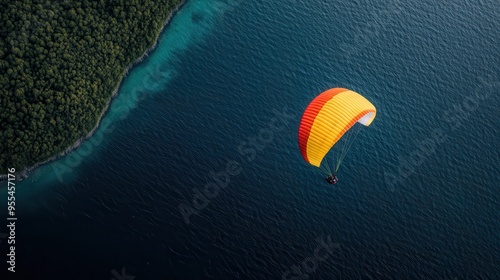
{"x": 59, "y": 64}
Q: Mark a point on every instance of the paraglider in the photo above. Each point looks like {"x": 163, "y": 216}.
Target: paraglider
{"x": 330, "y": 120}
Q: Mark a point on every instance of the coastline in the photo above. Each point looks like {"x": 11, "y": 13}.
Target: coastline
{"x": 20, "y": 175}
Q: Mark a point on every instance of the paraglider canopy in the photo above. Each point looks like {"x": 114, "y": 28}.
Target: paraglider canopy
{"x": 328, "y": 118}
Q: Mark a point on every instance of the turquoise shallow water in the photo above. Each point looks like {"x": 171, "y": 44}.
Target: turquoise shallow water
{"x": 419, "y": 193}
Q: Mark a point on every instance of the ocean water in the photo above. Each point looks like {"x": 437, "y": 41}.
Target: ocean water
{"x": 419, "y": 190}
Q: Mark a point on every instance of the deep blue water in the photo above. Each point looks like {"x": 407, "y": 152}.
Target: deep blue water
{"x": 418, "y": 195}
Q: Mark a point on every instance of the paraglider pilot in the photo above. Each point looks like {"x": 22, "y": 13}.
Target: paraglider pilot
{"x": 332, "y": 179}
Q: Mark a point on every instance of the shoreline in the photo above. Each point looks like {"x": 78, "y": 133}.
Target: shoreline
{"x": 20, "y": 175}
